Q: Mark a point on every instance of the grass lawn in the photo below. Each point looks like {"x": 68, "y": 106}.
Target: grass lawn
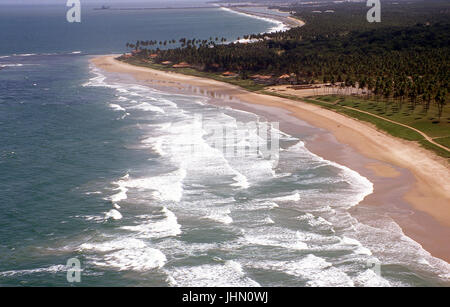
{"x": 443, "y": 141}
{"x": 418, "y": 118}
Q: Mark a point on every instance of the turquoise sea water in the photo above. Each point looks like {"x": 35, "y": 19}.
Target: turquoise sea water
{"x": 43, "y": 29}
{"x": 94, "y": 166}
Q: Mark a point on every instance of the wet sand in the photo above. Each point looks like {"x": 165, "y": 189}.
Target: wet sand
{"x": 410, "y": 183}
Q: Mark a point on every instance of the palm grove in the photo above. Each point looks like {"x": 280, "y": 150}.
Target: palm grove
{"x": 405, "y": 59}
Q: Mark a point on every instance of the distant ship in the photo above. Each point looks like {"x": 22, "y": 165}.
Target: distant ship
{"x": 104, "y": 7}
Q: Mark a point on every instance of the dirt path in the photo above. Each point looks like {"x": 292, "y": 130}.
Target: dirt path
{"x": 425, "y": 136}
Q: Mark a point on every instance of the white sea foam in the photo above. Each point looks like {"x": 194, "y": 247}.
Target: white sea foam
{"x": 229, "y": 274}
{"x": 186, "y": 139}
{"x": 397, "y": 248}
{"x": 109, "y": 246}
{"x": 269, "y": 221}
{"x": 276, "y": 236}
{"x": 220, "y": 215}
{"x": 122, "y": 194}
{"x": 166, "y": 226}
{"x": 241, "y": 181}
{"x": 168, "y": 187}
{"x": 278, "y": 25}
{"x": 94, "y": 218}
{"x": 98, "y": 80}
{"x": 125, "y": 254}
{"x": 113, "y": 214}
{"x": 256, "y": 205}
{"x": 186, "y": 192}
{"x": 165, "y": 187}
{"x": 51, "y": 269}
{"x": 238, "y": 150}
{"x": 359, "y": 187}
{"x": 359, "y": 248}
{"x": 148, "y": 107}
{"x": 315, "y": 271}
{"x": 156, "y": 143}
{"x": 369, "y": 278}
{"x": 11, "y": 65}
{"x": 167, "y": 102}
{"x": 35, "y": 54}
{"x": 91, "y": 193}
{"x": 316, "y": 222}
{"x": 282, "y": 175}
{"x": 292, "y": 197}
{"x": 24, "y": 54}
{"x": 116, "y": 107}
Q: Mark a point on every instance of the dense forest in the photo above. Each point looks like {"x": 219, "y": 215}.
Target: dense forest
{"x": 403, "y": 58}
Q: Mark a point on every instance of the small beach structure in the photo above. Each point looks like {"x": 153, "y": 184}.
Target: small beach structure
{"x": 229, "y": 74}
{"x": 263, "y": 79}
{"x": 284, "y": 79}
{"x": 304, "y": 87}
{"x": 182, "y": 65}
{"x": 285, "y": 76}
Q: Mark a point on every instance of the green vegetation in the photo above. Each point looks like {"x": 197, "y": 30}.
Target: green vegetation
{"x": 339, "y": 19}
{"x": 443, "y": 141}
{"x": 337, "y": 103}
{"x": 439, "y": 132}
{"x": 399, "y": 68}
{"x": 418, "y": 118}
{"x": 244, "y": 83}
{"x": 437, "y": 150}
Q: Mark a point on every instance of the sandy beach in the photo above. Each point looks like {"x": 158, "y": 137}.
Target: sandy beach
{"x": 407, "y": 178}
{"x": 288, "y": 21}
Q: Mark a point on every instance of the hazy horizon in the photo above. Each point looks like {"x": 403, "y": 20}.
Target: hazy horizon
{"x": 105, "y": 2}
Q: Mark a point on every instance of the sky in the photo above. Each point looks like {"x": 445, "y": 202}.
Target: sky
{"x": 106, "y": 2}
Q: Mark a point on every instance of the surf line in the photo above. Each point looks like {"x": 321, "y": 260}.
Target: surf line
{"x": 74, "y": 13}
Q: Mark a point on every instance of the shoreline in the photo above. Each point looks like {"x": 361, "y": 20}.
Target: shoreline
{"x": 287, "y": 22}
{"x": 412, "y": 192}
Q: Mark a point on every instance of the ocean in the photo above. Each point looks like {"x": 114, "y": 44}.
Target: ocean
{"x": 129, "y": 180}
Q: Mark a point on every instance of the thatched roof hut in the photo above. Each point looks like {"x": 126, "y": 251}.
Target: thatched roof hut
{"x": 285, "y": 76}
{"x": 182, "y": 65}
{"x": 229, "y": 74}
{"x": 261, "y": 77}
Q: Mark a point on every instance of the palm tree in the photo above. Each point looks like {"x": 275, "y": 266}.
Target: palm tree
{"x": 440, "y": 99}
